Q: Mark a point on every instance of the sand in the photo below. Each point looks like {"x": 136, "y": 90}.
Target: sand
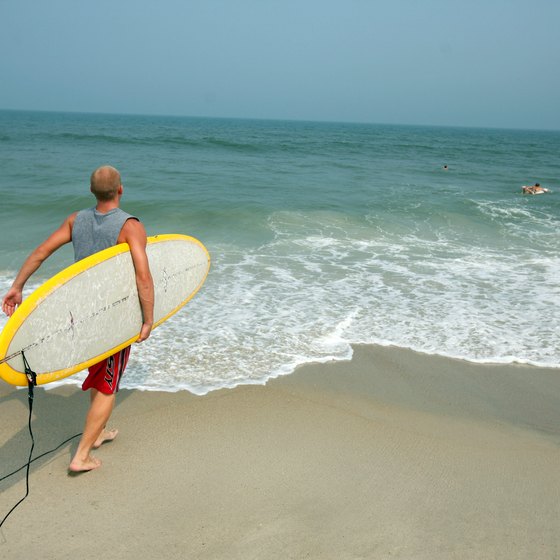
{"x": 392, "y": 455}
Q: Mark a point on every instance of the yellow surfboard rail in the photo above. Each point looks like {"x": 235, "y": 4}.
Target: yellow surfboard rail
{"x": 15, "y": 377}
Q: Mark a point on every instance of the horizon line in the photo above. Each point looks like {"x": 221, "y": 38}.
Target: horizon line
{"x": 276, "y": 119}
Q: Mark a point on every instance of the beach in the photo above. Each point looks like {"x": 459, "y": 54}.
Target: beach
{"x": 394, "y": 454}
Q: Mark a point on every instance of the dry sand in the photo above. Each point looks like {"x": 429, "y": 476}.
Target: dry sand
{"x": 392, "y": 455}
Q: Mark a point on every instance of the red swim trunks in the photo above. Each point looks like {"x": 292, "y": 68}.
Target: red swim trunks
{"x": 106, "y": 375}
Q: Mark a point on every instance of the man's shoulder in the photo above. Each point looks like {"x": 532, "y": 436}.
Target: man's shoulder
{"x": 72, "y": 218}
{"x": 132, "y": 230}
{"x": 132, "y": 222}
{"x": 127, "y": 214}
{"x": 79, "y": 213}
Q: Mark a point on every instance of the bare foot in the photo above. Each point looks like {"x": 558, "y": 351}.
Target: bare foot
{"x": 106, "y": 435}
{"x": 78, "y": 466}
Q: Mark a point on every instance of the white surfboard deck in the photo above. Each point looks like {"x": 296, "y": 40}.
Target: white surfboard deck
{"x": 91, "y": 310}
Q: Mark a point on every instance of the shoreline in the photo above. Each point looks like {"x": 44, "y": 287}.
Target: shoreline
{"x": 331, "y": 362}
{"x": 392, "y": 454}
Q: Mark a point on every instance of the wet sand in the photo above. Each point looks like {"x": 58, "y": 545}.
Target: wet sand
{"x": 392, "y": 455}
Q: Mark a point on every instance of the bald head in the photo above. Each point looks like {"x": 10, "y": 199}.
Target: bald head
{"x": 105, "y": 182}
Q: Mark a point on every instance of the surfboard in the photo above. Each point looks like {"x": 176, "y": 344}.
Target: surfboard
{"x": 91, "y": 310}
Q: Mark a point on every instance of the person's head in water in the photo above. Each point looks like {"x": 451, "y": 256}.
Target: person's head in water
{"x": 105, "y": 183}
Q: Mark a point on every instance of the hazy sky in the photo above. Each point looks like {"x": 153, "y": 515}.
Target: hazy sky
{"x": 449, "y": 62}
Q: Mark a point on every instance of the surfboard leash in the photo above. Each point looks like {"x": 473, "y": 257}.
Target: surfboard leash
{"x": 31, "y": 383}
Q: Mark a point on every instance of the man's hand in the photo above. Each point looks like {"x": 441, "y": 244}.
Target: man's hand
{"x": 11, "y": 300}
{"x": 144, "y": 332}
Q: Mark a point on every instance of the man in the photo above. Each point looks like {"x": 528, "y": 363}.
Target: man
{"x": 90, "y": 231}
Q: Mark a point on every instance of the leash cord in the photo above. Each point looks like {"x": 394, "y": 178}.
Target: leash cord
{"x": 40, "y": 456}
{"x": 31, "y": 382}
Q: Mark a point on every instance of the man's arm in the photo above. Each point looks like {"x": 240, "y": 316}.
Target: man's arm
{"x": 134, "y": 234}
{"x": 56, "y": 240}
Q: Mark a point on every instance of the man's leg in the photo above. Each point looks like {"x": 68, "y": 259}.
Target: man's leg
{"x": 100, "y": 409}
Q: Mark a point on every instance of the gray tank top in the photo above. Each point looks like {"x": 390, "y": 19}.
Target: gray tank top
{"x": 94, "y": 231}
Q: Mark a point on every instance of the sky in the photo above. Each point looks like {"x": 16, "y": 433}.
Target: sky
{"x": 480, "y": 63}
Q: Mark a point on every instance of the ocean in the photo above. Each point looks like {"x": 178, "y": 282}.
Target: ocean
{"x": 321, "y": 235}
